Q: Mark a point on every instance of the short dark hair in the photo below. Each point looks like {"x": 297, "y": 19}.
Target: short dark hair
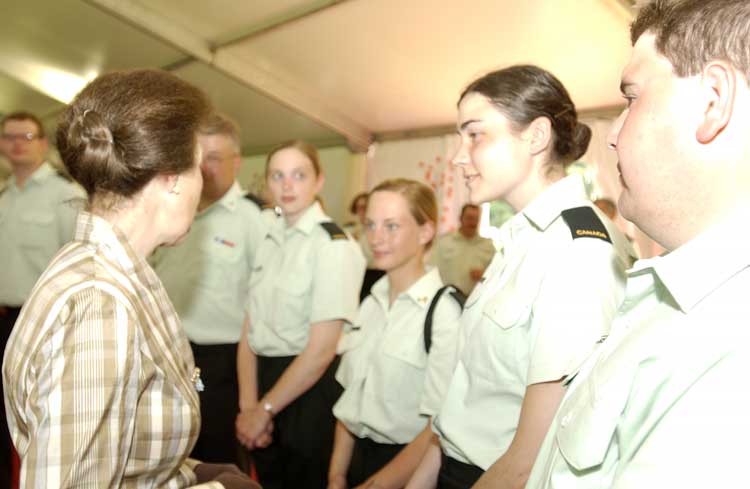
{"x": 690, "y": 33}
{"x": 21, "y": 115}
{"x": 468, "y": 206}
{"x": 125, "y": 128}
{"x": 525, "y": 92}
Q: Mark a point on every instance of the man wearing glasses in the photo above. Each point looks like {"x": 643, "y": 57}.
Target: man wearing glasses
{"x": 37, "y": 217}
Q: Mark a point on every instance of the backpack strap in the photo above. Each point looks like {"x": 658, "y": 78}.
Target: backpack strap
{"x": 456, "y": 294}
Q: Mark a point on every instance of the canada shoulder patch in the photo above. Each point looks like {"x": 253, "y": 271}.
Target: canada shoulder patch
{"x": 333, "y": 230}
{"x": 255, "y": 200}
{"x": 584, "y": 223}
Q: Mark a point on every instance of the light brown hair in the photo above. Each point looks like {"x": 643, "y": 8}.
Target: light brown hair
{"x": 420, "y": 197}
{"x": 222, "y": 125}
{"x": 306, "y": 149}
{"x": 125, "y": 128}
{"x": 690, "y": 33}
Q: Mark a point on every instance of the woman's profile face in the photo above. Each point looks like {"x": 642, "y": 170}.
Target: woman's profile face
{"x": 393, "y": 234}
{"x": 293, "y": 183}
{"x": 495, "y": 159}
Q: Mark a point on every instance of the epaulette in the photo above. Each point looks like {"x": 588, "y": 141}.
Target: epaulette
{"x": 255, "y": 200}
{"x": 333, "y": 230}
{"x": 64, "y": 175}
{"x": 584, "y": 223}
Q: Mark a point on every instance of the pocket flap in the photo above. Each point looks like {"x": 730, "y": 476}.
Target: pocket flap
{"x": 588, "y": 419}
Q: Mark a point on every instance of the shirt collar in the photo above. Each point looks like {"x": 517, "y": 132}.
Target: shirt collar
{"x": 420, "y": 292}
{"x": 312, "y": 216}
{"x": 703, "y": 264}
{"x": 44, "y": 171}
{"x": 96, "y": 231}
{"x": 229, "y": 199}
{"x": 564, "y": 194}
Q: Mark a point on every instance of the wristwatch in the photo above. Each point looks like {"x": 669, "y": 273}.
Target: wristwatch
{"x": 268, "y": 407}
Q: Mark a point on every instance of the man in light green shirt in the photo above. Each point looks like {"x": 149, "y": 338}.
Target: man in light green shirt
{"x": 664, "y": 401}
{"x": 206, "y": 278}
{"x": 463, "y": 256}
{"x": 38, "y": 212}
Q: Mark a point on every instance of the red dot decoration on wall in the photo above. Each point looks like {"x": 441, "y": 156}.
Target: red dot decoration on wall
{"x": 440, "y": 176}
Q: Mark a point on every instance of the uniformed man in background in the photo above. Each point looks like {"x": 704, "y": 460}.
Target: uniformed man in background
{"x": 462, "y": 256}
{"x": 38, "y": 209}
{"x": 207, "y": 277}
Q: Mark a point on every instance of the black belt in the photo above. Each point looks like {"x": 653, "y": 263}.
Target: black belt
{"x": 456, "y": 474}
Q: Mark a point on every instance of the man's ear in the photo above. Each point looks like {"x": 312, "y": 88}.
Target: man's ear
{"x": 719, "y": 85}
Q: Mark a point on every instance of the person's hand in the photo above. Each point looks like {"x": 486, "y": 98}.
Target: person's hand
{"x": 476, "y": 274}
{"x": 209, "y": 472}
{"x": 265, "y": 438}
{"x": 251, "y": 425}
{"x": 337, "y": 482}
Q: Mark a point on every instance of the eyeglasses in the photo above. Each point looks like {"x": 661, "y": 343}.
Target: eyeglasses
{"x": 20, "y": 137}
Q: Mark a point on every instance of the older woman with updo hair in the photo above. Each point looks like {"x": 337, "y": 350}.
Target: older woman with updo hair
{"x": 99, "y": 378}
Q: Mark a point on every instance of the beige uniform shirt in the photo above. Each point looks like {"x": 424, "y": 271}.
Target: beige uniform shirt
{"x": 302, "y": 275}
{"x": 664, "y": 402}
{"x": 391, "y": 384}
{"x": 545, "y": 301}
{"x": 98, "y": 375}
{"x": 207, "y": 275}
{"x": 456, "y": 255}
{"x": 35, "y": 222}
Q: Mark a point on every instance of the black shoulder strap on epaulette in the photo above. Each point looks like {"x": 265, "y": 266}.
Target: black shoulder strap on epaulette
{"x": 584, "y": 223}
{"x": 456, "y": 294}
{"x": 64, "y": 175}
{"x": 255, "y": 200}
{"x": 333, "y": 230}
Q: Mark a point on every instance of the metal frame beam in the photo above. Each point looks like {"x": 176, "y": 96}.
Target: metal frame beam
{"x": 284, "y": 91}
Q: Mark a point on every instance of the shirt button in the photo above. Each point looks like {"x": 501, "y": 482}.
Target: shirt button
{"x": 566, "y": 420}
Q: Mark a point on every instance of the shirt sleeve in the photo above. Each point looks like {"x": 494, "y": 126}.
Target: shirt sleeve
{"x": 443, "y": 356}
{"x": 577, "y": 301}
{"x": 337, "y": 280}
{"x": 81, "y": 411}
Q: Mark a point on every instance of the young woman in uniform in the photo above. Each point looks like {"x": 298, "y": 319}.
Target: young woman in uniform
{"x": 548, "y": 296}
{"x": 392, "y": 385}
{"x": 304, "y": 287}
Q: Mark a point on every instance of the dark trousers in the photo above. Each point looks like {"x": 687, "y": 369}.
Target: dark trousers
{"x": 457, "y": 475}
{"x": 8, "y": 317}
{"x": 302, "y": 443}
{"x": 367, "y": 458}
{"x": 217, "y": 441}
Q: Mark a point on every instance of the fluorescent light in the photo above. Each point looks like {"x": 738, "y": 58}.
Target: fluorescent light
{"x": 53, "y": 82}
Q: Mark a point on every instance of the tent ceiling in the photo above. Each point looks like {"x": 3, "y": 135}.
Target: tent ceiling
{"x": 323, "y": 70}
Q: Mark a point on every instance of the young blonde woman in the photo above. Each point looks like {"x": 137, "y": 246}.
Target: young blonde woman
{"x": 304, "y": 287}
{"x": 548, "y": 296}
{"x": 393, "y": 386}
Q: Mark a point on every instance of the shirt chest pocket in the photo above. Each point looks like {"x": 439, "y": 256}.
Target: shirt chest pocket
{"x": 291, "y": 305}
{"x": 589, "y": 418}
{"x": 220, "y": 259}
{"x": 38, "y": 229}
{"x": 511, "y": 306}
{"x": 404, "y": 363}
